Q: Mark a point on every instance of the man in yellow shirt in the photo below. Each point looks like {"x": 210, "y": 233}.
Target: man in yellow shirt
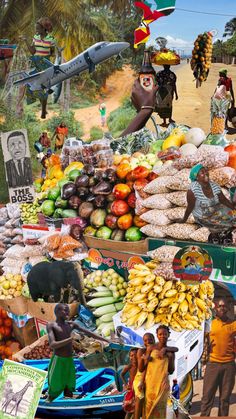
{"x": 220, "y": 369}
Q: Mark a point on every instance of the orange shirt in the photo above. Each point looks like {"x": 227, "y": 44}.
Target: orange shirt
{"x": 222, "y": 337}
{"x": 62, "y": 130}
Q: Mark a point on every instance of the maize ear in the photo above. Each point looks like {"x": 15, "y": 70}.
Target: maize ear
{"x": 150, "y": 321}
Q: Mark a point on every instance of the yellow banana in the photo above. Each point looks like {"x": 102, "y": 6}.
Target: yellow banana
{"x": 133, "y": 311}
{"x": 174, "y": 307}
{"x": 160, "y": 281}
{"x": 152, "y": 264}
{"x": 175, "y": 326}
{"x": 190, "y": 317}
{"x": 135, "y": 282}
{"x": 152, "y": 305}
{"x": 168, "y": 285}
{"x": 127, "y": 307}
{"x": 210, "y": 288}
{"x": 208, "y": 313}
{"x": 142, "y": 318}
{"x": 132, "y": 320}
{"x": 163, "y": 310}
{"x": 170, "y": 293}
{"x": 178, "y": 318}
{"x": 180, "y": 286}
{"x": 203, "y": 287}
{"x": 180, "y": 297}
{"x": 141, "y": 267}
{"x": 193, "y": 289}
{"x": 202, "y": 296}
{"x": 163, "y": 319}
{"x": 150, "y": 321}
{"x": 200, "y": 314}
{"x": 137, "y": 289}
{"x": 150, "y": 278}
{"x": 194, "y": 324}
{"x": 138, "y": 298}
{"x": 166, "y": 302}
{"x": 201, "y": 304}
{"x": 157, "y": 289}
{"x": 143, "y": 306}
{"x": 192, "y": 307}
{"x": 147, "y": 287}
{"x": 183, "y": 308}
{"x": 151, "y": 295}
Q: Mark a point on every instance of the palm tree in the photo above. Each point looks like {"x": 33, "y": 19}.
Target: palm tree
{"x": 230, "y": 27}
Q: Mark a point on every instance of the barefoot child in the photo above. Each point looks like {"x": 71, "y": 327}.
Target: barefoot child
{"x": 131, "y": 368}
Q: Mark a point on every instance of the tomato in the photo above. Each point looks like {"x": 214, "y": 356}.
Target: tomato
{"x": 119, "y": 208}
{"x": 152, "y": 176}
{"x": 8, "y": 322}
{"x": 125, "y": 221}
{"x": 138, "y": 222}
{"x": 231, "y": 149}
{"x": 131, "y": 200}
{"x": 7, "y": 331}
{"x": 4, "y": 314}
{"x": 121, "y": 191}
{"x": 122, "y": 170}
{"x": 141, "y": 172}
{"x": 140, "y": 183}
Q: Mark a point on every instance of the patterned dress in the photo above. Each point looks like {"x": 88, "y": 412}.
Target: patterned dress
{"x": 166, "y": 80}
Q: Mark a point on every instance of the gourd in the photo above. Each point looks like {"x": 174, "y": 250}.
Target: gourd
{"x": 194, "y": 136}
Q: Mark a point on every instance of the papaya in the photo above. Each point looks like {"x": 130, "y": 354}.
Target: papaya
{"x": 175, "y": 139}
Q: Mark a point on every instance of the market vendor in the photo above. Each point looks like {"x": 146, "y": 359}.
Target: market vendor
{"x": 166, "y": 81}
{"x": 144, "y": 102}
{"x": 207, "y": 203}
{"x": 61, "y": 133}
{"x": 61, "y": 370}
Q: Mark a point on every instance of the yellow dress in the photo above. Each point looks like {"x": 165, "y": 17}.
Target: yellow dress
{"x": 157, "y": 387}
{"x": 137, "y": 380}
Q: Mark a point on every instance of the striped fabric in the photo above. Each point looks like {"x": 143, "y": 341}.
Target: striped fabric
{"x": 43, "y": 46}
{"x": 203, "y": 203}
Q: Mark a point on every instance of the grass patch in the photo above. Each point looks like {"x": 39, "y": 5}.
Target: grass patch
{"x": 120, "y": 118}
{"x": 96, "y": 133}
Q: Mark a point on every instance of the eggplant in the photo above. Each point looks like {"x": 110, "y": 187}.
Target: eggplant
{"x": 68, "y": 190}
{"x": 98, "y": 176}
{"x": 82, "y": 192}
{"x": 102, "y": 188}
{"x": 100, "y": 201}
{"x": 111, "y": 175}
{"x": 118, "y": 235}
{"x": 74, "y": 202}
{"x": 82, "y": 181}
{"x": 85, "y": 209}
{"x": 90, "y": 198}
{"x": 88, "y": 169}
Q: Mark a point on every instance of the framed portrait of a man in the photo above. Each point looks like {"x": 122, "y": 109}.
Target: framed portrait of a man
{"x": 17, "y": 162}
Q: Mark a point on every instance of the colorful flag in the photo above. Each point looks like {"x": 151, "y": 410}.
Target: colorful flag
{"x": 163, "y": 8}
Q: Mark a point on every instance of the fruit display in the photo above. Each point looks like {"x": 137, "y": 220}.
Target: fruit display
{"x": 165, "y": 57}
{"x": 219, "y": 109}
{"x": 151, "y": 300}
{"x": 29, "y": 212}
{"x": 201, "y": 57}
{"x": 10, "y": 286}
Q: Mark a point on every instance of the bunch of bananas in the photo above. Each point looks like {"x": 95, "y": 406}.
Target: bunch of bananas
{"x": 150, "y": 299}
{"x": 202, "y": 54}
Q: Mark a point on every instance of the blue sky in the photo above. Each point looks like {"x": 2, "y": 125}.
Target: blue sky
{"x": 181, "y": 28}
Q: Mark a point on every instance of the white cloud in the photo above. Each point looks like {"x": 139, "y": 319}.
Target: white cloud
{"x": 177, "y": 43}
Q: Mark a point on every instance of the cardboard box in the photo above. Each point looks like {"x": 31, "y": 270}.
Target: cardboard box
{"x": 25, "y": 335}
{"x": 140, "y": 247}
{"x": 189, "y": 343}
{"x": 19, "y": 356}
{"x": 45, "y": 311}
{"x": 17, "y": 305}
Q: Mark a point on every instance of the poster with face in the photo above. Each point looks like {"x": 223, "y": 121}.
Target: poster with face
{"x": 17, "y": 163}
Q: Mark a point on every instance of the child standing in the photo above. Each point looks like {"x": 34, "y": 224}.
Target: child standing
{"x": 102, "y": 110}
{"x": 175, "y": 391}
{"x": 131, "y": 368}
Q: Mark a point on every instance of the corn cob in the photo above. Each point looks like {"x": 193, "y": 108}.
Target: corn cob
{"x": 102, "y": 301}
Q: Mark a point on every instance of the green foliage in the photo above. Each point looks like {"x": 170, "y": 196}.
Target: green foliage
{"x": 74, "y": 127}
{"x": 120, "y": 118}
{"x": 96, "y": 133}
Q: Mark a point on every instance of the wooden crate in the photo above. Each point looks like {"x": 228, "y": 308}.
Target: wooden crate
{"x": 45, "y": 311}
{"x": 19, "y": 356}
{"x": 25, "y": 335}
{"x": 140, "y": 247}
{"x": 18, "y": 305}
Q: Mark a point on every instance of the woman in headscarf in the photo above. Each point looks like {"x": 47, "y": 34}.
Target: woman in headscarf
{"x": 207, "y": 202}
{"x": 42, "y": 48}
